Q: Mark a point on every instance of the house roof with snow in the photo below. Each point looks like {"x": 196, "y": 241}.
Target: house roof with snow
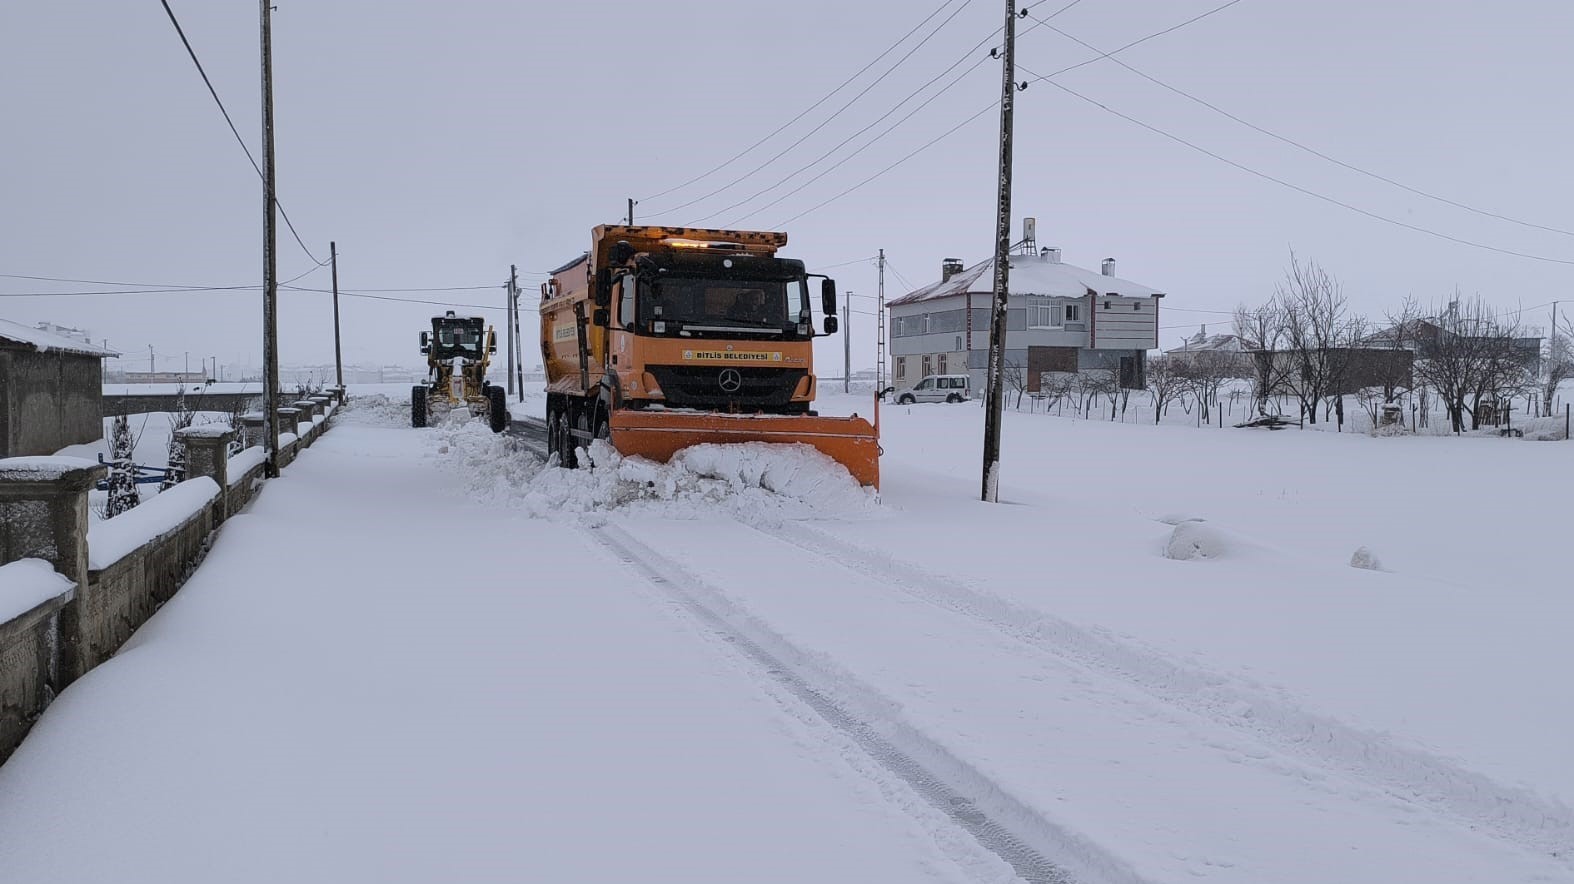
{"x": 14, "y": 334}
{"x": 1202, "y": 342}
{"x": 1041, "y": 274}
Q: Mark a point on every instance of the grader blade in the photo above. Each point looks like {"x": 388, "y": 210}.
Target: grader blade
{"x": 658, "y": 435}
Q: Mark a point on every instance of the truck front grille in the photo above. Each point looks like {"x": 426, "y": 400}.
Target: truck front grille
{"x": 727, "y": 388}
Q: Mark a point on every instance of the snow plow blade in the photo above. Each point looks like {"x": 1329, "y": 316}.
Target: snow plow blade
{"x": 658, "y": 435}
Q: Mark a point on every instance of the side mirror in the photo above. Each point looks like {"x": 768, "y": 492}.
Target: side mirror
{"x": 828, "y": 300}
{"x": 601, "y": 317}
{"x": 831, "y": 325}
{"x": 887, "y": 391}
{"x": 426, "y": 342}
{"x": 603, "y": 294}
{"x": 491, "y": 341}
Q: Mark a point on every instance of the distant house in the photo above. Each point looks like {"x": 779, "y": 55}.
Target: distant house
{"x": 51, "y": 390}
{"x": 1424, "y": 337}
{"x": 1229, "y": 345}
{"x": 1060, "y": 318}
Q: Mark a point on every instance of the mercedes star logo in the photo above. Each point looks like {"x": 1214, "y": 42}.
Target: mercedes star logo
{"x": 729, "y": 380}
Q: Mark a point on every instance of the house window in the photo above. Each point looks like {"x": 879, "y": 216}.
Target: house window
{"x": 1107, "y": 305}
{"x": 928, "y": 367}
{"x": 926, "y": 323}
{"x": 1041, "y": 313}
{"x": 901, "y": 367}
{"x": 942, "y": 363}
{"x": 958, "y": 346}
{"x": 1136, "y": 306}
{"x": 1073, "y": 312}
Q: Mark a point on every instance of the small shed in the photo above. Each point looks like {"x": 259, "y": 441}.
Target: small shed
{"x": 51, "y": 391}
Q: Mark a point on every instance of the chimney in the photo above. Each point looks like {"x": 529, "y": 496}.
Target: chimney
{"x": 1051, "y": 254}
{"x": 1109, "y": 266}
{"x": 949, "y": 267}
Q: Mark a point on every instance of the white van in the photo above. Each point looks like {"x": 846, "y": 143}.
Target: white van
{"x": 938, "y": 388}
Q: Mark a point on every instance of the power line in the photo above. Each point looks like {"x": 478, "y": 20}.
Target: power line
{"x": 1298, "y": 145}
{"x": 845, "y": 263}
{"x": 1296, "y": 187}
{"x": 932, "y": 142}
{"x": 236, "y": 132}
{"x": 806, "y": 111}
{"x": 823, "y": 123}
{"x": 849, "y": 138}
{"x": 1169, "y": 30}
{"x": 936, "y": 140}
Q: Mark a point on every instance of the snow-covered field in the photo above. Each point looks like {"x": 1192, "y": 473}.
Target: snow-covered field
{"x": 1152, "y": 662}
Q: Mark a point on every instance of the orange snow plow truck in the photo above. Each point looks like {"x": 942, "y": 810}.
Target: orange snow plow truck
{"x": 659, "y": 338}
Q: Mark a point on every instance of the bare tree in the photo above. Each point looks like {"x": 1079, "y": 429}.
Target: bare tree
{"x": 1204, "y": 374}
{"x": 1165, "y": 383}
{"x": 1090, "y": 385}
{"x": 1016, "y": 380}
{"x": 1319, "y": 335}
{"x": 1056, "y": 386}
{"x": 1260, "y": 331}
{"x": 1559, "y": 363}
{"x": 179, "y": 419}
{"x": 1470, "y": 355}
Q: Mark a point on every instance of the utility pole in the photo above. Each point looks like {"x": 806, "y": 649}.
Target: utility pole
{"x": 338, "y": 356}
{"x": 997, "y": 324}
{"x": 270, "y": 281}
{"x": 519, "y": 353}
{"x": 632, "y": 203}
{"x": 151, "y": 368}
{"x": 847, "y": 343}
{"x": 880, "y": 335}
{"x": 508, "y": 317}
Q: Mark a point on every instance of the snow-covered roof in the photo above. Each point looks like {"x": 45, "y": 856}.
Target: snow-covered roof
{"x": 1200, "y": 343}
{"x": 1031, "y": 275}
{"x": 44, "y": 341}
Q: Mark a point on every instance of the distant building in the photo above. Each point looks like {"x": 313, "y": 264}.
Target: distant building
{"x": 1060, "y": 318}
{"x": 1228, "y": 344}
{"x": 51, "y": 390}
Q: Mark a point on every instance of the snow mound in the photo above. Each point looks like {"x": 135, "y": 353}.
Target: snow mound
{"x": 377, "y": 410}
{"x": 1194, "y": 540}
{"x": 752, "y": 481}
{"x": 1365, "y": 559}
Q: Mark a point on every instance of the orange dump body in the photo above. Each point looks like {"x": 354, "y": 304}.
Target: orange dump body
{"x": 658, "y": 435}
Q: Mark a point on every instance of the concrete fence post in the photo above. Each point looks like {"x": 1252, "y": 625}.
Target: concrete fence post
{"x": 43, "y": 515}
{"x": 289, "y": 420}
{"x": 252, "y": 429}
{"x": 208, "y": 454}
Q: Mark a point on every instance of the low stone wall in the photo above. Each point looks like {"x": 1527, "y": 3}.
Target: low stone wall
{"x": 43, "y": 515}
{"x": 122, "y": 596}
{"x": 29, "y": 673}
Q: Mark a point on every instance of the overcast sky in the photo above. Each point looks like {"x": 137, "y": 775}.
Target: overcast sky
{"x": 438, "y": 143}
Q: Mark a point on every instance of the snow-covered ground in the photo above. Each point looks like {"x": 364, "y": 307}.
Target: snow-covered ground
{"x": 1152, "y": 662}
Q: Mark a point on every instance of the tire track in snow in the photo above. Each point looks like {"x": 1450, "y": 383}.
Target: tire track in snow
{"x": 1001, "y": 824}
{"x": 1511, "y": 814}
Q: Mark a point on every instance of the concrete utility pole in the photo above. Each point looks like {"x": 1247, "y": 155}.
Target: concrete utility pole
{"x": 270, "y": 281}
{"x": 519, "y": 353}
{"x": 880, "y": 374}
{"x": 338, "y": 356}
{"x": 508, "y": 318}
{"x": 997, "y": 324}
{"x": 847, "y": 343}
{"x": 632, "y": 204}
{"x": 151, "y": 368}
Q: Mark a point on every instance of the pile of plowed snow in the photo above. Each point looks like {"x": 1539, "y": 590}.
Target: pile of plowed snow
{"x": 752, "y": 481}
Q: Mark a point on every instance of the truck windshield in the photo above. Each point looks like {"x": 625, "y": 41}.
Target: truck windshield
{"x": 728, "y": 305}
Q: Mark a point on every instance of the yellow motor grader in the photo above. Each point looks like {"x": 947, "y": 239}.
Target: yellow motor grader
{"x": 458, "y": 350}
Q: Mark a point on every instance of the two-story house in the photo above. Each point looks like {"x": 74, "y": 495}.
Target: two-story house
{"x": 1059, "y": 318}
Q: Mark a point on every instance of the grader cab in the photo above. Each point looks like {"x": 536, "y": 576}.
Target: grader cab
{"x": 458, "y": 350}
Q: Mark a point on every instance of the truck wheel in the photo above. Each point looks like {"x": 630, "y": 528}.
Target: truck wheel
{"x": 560, "y": 445}
{"x": 497, "y": 408}
{"x": 905, "y": 399}
{"x": 417, "y": 407}
{"x": 953, "y": 398}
